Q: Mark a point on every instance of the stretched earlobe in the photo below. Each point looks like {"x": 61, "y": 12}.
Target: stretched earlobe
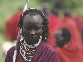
{"x": 40, "y": 37}
{"x": 22, "y": 38}
{"x": 21, "y": 31}
{"x": 45, "y": 37}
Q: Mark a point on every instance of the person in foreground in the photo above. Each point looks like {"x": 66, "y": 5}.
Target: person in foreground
{"x": 67, "y": 50}
{"x": 31, "y": 46}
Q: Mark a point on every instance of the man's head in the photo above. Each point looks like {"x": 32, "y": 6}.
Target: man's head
{"x": 33, "y": 24}
{"x": 55, "y": 11}
{"x": 62, "y": 36}
{"x": 68, "y": 12}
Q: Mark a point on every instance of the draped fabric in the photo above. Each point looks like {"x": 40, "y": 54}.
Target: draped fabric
{"x": 43, "y": 53}
{"x": 73, "y": 51}
{"x": 54, "y": 21}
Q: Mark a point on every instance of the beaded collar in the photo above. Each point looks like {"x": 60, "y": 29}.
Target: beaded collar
{"x": 34, "y": 45}
{"x": 27, "y": 51}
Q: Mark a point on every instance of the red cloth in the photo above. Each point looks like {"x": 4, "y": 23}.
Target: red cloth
{"x": 11, "y": 29}
{"x": 73, "y": 51}
{"x": 82, "y": 51}
{"x": 54, "y": 21}
{"x": 78, "y": 22}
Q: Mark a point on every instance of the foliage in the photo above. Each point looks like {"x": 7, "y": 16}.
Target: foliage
{"x": 65, "y": 3}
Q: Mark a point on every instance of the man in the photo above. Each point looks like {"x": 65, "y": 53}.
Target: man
{"x": 67, "y": 22}
{"x": 67, "y": 50}
{"x": 31, "y": 46}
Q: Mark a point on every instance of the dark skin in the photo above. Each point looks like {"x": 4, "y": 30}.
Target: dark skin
{"x": 32, "y": 28}
{"x": 60, "y": 40}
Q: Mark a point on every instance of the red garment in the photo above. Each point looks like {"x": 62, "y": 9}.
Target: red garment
{"x": 82, "y": 51}
{"x": 11, "y": 29}
{"x": 73, "y": 51}
{"x": 54, "y": 21}
{"x": 77, "y": 21}
{"x": 81, "y": 23}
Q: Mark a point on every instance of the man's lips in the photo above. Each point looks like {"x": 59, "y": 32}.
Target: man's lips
{"x": 32, "y": 37}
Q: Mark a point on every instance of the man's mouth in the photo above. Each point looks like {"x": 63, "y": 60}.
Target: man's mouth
{"x": 32, "y": 37}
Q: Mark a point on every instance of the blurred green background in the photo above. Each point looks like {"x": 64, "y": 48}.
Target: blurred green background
{"x": 8, "y": 7}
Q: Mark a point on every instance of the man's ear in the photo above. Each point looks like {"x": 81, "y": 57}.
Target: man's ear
{"x": 21, "y": 31}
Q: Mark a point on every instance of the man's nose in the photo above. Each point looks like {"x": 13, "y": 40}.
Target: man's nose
{"x": 32, "y": 32}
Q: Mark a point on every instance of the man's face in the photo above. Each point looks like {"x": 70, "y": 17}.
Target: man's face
{"x": 32, "y": 28}
{"x": 59, "y": 38}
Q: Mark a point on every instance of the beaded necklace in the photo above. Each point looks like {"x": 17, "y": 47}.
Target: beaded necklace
{"x": 27, "y": 51}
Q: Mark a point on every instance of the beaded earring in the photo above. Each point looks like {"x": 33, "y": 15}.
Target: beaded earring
{"x": 21, "y": 31}
{"x": 45, "y": 37}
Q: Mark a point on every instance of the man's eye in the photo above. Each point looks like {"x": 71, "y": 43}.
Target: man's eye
{"x": 28, "y": 28}
{"x": 37, "y": 28}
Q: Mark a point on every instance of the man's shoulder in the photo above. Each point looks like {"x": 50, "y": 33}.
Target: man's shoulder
{"x": 48, "y": 48}
{"x": 11, "y": 50}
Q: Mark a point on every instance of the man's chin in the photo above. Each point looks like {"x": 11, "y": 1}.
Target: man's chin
{"x": 32, "y": 41}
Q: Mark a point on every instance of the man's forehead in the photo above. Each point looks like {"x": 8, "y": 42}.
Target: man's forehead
{"x": 58, "y": 32}
{"x": 36, "y": 18}
{"x": 32, "y": 25}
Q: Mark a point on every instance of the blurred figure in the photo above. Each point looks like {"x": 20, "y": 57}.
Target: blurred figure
{"x": 54, "y": 21}
{"x": 11, "y": 30}
{"x": 68, "y": 22}
{"x": 67, "y": 50}
{"x": 71, "y": 25}
{"x": 81, "y": 27}
{"x": 77, "y": 20}
{"x": 58, "y": 4}
{"x": 45, "y": 9}
{"x": 62, "y": 37}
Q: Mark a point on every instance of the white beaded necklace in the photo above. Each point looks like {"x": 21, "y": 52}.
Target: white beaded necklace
{"x": 34, "y": 45}
{"x": 29, "y": 46}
